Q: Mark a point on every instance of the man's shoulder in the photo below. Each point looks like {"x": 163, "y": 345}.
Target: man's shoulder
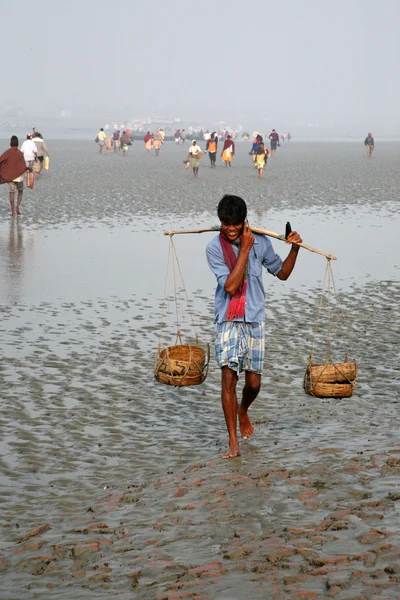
{"x": 6, "y": 154}
{"x": 214, "y": 244}
{"x": 264, "y": 244}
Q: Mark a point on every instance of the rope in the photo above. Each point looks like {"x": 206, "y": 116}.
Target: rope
{"x": 339, "y": 309}
{"x": 320, "y": 306}
{"x": 308, "y": 381}
{"x": 184, "y": 289}
{"x": 163, "y": 356}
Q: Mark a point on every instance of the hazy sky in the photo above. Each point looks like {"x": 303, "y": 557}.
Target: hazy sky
{"x": 299, "y": 60}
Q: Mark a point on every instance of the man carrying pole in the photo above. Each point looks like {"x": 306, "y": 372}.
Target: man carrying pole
{"x": 236, "y": 258}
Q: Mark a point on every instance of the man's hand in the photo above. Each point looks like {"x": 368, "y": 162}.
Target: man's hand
{"x": 247, "y": 238}
{"x": 294, "y": 239}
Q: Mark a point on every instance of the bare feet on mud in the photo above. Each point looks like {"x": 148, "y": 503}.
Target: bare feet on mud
{"x": 232, "y": 452}
{"x": 245, "y": 425}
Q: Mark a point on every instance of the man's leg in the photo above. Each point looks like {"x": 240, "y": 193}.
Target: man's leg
{"x": 230, "y": 408}
{"x": 19, "y": 201}
{"x": 12, "y": 203}
{"x": 250, "y": 393}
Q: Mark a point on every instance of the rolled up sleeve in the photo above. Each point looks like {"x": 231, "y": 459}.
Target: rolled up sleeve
{"x": 217, "y": 264}
{"x": 271, "y": 260}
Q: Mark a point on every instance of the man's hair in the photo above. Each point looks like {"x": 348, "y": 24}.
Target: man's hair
{"x": 14, "y": 141}
{"x": 232, "y": 210}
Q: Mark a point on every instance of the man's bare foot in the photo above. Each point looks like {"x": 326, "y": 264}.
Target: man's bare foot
{"x": 17, "y": 211}
{"x": 245, "y": 425}
{"x": 12, "y": 214}
{"x": 232, "y": 452}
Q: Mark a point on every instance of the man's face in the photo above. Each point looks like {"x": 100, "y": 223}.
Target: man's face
{"x": 232, "y": 231}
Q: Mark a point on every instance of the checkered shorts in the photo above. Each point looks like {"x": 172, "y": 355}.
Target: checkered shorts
{"x": 240, "y": 346}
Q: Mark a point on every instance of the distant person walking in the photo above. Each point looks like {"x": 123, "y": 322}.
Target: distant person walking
{"x": 116, "y": 140}
{"x": 29, "y": 150}
{"x": 177, "y": 136}
{"x": 158, "y": 141}
{"x": 274, "y": 137}
{"x": 211, "y": 148}
{"x": 42, "y": 150}
{"x": 148, "y": 141}
{"x": 228, "y": 151}
{"x": 12, "y": 169}
{"x": 262, "y": 155}
{"x": 108, "y": 145}
{"x": 256, "y": 144}
{"x": 183, "y": 136}
{"x": 101, "y": 140}
{"x": 125, "y": 143}
{"x": 369, "y": 144}
{"x": 194, "y": 155}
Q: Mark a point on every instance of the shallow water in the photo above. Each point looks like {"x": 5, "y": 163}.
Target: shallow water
{"x": 126, "y": 472}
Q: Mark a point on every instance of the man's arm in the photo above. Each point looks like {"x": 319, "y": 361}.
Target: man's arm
{"x": 290, "y": 260}
{"x": 236, "y": 276}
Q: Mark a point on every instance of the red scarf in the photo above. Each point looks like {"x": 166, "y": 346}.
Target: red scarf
{"x": 237, "y": 303}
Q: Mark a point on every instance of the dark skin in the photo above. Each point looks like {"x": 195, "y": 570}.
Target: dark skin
{"x": 232, "y": 410}
{"x": 14, "y": 210}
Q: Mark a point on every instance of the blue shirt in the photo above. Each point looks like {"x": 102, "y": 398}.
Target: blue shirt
{"x": 261, "y": 255}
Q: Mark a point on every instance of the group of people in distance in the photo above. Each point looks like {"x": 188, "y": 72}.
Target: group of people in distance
{"x": 119, "y": 141}
{"x": 259, "y": 151}
{"x": 180, "y": 136}
{"x": 154, "y": 140}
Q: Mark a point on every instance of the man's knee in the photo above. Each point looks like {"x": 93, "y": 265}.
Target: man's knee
{"x": 229, "y": 377}
{"x": 253, "y": 382}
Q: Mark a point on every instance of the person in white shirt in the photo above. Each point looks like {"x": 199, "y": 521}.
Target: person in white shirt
{"x": 195, "y": 154}
{"x": 29, "y": 150}
{"x": 42, "y": 151}
{"x": 101, "y": 140}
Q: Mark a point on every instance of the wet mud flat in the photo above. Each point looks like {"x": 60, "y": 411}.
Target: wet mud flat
{"x": 112, "y": 483}
{"x": 83, "y": 187}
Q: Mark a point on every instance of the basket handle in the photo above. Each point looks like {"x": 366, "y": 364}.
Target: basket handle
{"x": 178, "y": 337}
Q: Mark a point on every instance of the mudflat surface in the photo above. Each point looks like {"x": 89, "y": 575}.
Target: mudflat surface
{"x": 112, "y": 484}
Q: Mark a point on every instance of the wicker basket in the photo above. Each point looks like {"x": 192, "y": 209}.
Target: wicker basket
{"x": 334, "y": 372}
{"x": 332, "y": 380}
{"x": 182, "y": 365}
{"x": 331, "y": 390}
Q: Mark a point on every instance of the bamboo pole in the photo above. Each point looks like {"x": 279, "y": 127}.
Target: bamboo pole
{"x": 254, "y": 230}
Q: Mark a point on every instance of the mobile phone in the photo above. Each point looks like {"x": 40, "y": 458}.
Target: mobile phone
{"x": 288, "y": 230}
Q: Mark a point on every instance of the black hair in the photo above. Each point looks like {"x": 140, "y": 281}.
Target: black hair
{"x": 232, "y": 210}
{"x": 14, "y": 141}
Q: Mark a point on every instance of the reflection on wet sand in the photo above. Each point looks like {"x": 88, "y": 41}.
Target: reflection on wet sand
{"x": 13, "y": 253}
